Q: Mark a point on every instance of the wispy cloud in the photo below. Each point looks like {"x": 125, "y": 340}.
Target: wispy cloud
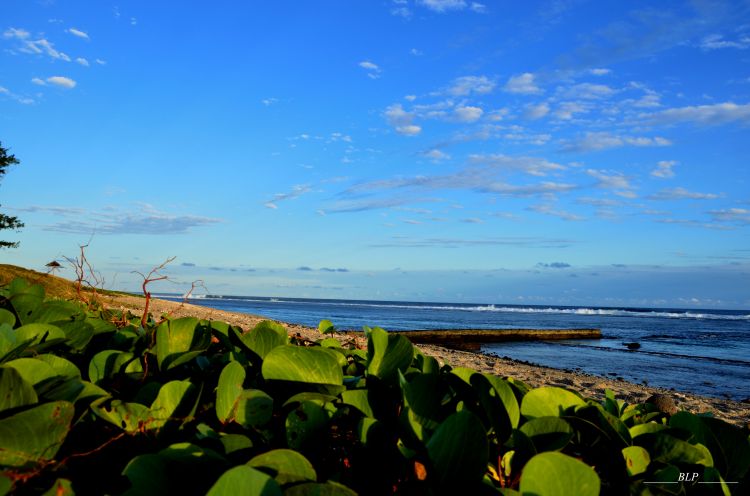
{"x": 467, "y": 113}
{"x": 682, "y": 194}
{"x": 717, "y": 42}
{"x": 436, "y": 155}
{"x": 523, "y": 84}
{"x": 595, "y": 141}
{"x": 664, "y": 169}
{"x": 546, "y": 209}
{"x": 443, "y": 6}
{"x": 468, "y": 85}
{"x": 534, "y": 112}
{"x": 296, "y": 191}
{"x": 373, "y": 70}
{"x": 82, "y": 61}
{"x": 553, "y": 265}
{"x": 402, "y": 120}
{"x": 615, "y": 180}
{"x": 78, "y": 33}
{"x": 707, "y": 115}
{"x": 114, "y": 220}
{"x": 732, "y": 215}
{"x": 34, "y": 47}
{"x": 61, "y": 81}
{"x": 447, "y": 242}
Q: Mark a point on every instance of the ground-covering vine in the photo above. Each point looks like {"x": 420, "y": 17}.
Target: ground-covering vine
{"x": 97, "y": 401}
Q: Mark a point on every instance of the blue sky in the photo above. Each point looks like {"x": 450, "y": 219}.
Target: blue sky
{"x": 561, "y": 152}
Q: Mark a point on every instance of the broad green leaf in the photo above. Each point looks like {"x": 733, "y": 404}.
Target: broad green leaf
{"x": 14, "y": 390}
{"x": 228, "y": 391}
{"x": 246, "y": 481}
{"x": 359, "y": 399}
{"x": 180, "y": 340}
{"x": 173, "y": 404}
{"x": 285, "y": 466}
{"x": 555, "y": 474}
{"x": 8, "y": 340}
{"x": 108, "y": 363}
{"x": 305, "y": 425}
{"x": 25, "y": 299}
{"x": 7, "y": 317}
{"x": 636, "y": 460}
{"x": 387, "y": 354}
{"x": 330, "y": 343}
{"x": 254, "y": 408}
{"x": 648, "y": 428}
{"x": 423, "y": 397}
{"x": 548, "y": 402}
{"x": 235, "y": 442}
{"x": 298, "y": 364}
{"x": 319, "y": 398}
{"x": 548, "y": 433}
{"x": 78, "y": 333}
{"x": 130, "y": 417}
{"x": 39, "y": 333}
{"x": 33, "y": 436}
{"x": 325, "y": 326}
{"x": 458, "y": 451}
{"x": 497, "y": 398}
{"x": 666, "y": 448}
{"x": 32, "y": 370}
{"x": 264, "y": 337}
{"x": 54, "y": 311}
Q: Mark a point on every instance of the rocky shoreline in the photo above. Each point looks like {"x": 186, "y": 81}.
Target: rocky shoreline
{"x": 535, "y": 375}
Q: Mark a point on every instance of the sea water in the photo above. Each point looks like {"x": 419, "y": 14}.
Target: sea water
{"x": 700, "y": 351}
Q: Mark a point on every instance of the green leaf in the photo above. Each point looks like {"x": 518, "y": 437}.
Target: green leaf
{"x": 666, "y": 448}
{"x": 54, "y": 311}
{"x": 555, "y": 474}
{"x": 325, "y": 326}
{"x": 305, "y": 425}
{"x": 39, "y": 333}
{"x": 254, "y": 408}
{"x": 33, "y": 436}
{"x": 549, "y": 402}
{"x": 78, "y": 333}
{"x": 246, "y": 481}
{"x": 228, "y": 391}
{"x": 497, "y": 398}
{"x": 173, "y": 404}
{"x": 107, "y": 363}
{"x": 130, "y": 417}
{"x": 7, "y": 317}
{"x": 32, "y": 370}
{"x": 387, "y": 354}
{"x": 14, "y": 390}
{"x": 264, "y": 337}
{"x": 548, "y": 433}
{"x": 285, "y": 466}
{"x": 359, "y": 399}
{"x": 179, "y": 341}
{"x": 298, "y": 364}
{"x": 636, "y": 460}
{"x": 60, "y": 365}
{"x": 25, "y": 300}
{"x": 458, "y": 451}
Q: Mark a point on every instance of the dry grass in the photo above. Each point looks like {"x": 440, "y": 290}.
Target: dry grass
{"x": 54, "y": 286}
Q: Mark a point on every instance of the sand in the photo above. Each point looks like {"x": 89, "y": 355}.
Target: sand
{"x": 589, "y": 385}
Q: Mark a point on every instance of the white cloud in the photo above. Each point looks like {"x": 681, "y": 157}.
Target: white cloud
{"x": 682, "y": 194}
{"x": 38, "y": 81}
{"x": 373, "y": 71}
{"x": 551, "y": 210}
{"x": 737, "y": 215}
{"x": 522, "y": 84}
{"x": 62, "y": 81}
{"x": 595, "y": 141}
{"x": 17, "y": 33}
{"x": 410, "y": 98}
{"x": 101, "y": 62}
{"x": 436, "y": 155}
{"x": 443, "y": 5}
{"x": 409, "y": 130}
{"x": 528, "y": 165}
{"x": 477, "y": 7}
{"x": 717, "y": 41}
{"x": 612, "y": 180}
{"x": 664, "y": 169}
{"x": 533, "y": 112}
{"x": 402, "y": 120}
{"x": 271, "y": 205}
{"x": 4, "y": 91}
{"x": 567, "y": 110}
{"x": 416, "y": 52}
{"x": 269, "y": 101}
{"x": 587, "y": 91}
{"x": 468, "y": 114}
{"x": 708, "y": 115}
{"x": 78, "y": 33}
{"x": 467, "y": 85}
{"x": 82, "y": 61}
{"x": 599, "y": 71}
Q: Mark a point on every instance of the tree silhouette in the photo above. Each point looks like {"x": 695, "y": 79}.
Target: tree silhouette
{"x": 7, "y": 221}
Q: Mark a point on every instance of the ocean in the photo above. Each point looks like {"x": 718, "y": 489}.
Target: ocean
{"x": 705, "y": 352}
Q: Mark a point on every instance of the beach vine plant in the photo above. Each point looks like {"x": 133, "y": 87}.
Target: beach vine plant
{"x": 221, "y": 409}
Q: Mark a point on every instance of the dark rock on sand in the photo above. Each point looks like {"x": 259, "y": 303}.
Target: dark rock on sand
{"x": 633, "y": 346}
{"x": 663, "y": 403}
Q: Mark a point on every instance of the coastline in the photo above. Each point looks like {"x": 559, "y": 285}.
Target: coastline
{"x": 535, "y": 375}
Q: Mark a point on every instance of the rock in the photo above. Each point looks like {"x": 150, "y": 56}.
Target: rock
{"x": 663, "y": 403}
{"x": 746, "y": 400}
{"x": 632, "y": 346}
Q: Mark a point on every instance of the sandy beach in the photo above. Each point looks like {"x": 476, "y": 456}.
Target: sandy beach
{"x": 588, "y": 385}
